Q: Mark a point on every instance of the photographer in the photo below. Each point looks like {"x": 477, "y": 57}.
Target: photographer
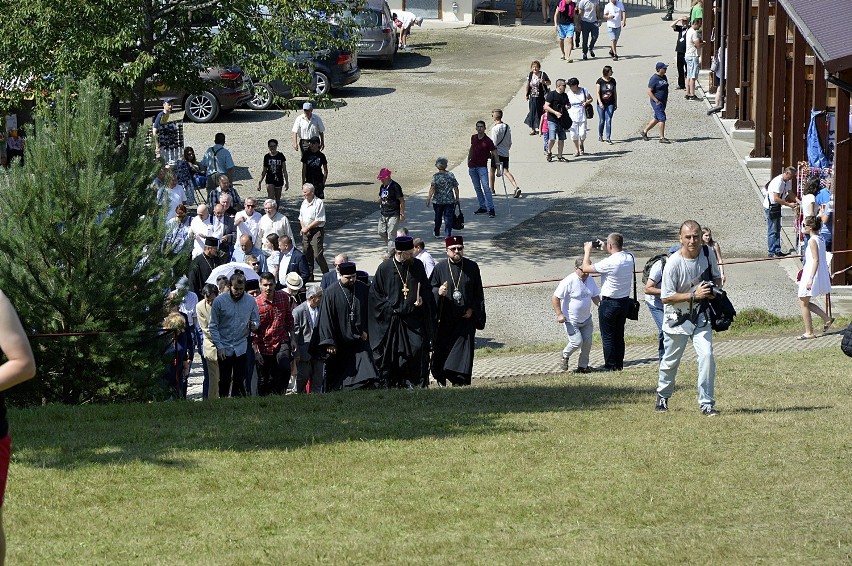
{"x": 684, "y": 288}
{"x": 616, "y": 278}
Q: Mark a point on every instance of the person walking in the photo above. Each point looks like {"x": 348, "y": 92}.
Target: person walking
{"x": 578, "y": 98}
{"x": 391, "y": 208}
{"x": 572, "y": 300}
{"x": 616, "y": 19}
{"x": 444, "y": 196}
{"x": 607, "y": 103}
{"x": 563, "y": 23}
{"x": 816, "y": 279}
{"x": 312, "y": 221}
{"x": 537, "y": 87}
{"x": 588, "y": 10}
{"x": 555, "y": 105}
{"x": 501, "y": 133}
{"x": 658, "y": 92}
{"x": 481, "y": 148}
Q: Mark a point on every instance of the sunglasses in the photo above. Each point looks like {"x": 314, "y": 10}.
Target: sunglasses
{"x": 456, "y": 248}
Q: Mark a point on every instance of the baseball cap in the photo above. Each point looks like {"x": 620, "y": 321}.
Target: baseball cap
{"x": 661, "y": 65}
{"x": 307, "y": 106}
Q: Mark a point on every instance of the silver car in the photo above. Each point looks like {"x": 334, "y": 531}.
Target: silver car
{"x": 378, "y": 35}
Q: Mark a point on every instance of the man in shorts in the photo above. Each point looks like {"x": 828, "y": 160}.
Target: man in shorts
{"x": 556, "y": 104}
{"x": 693, "y": 46}
{"x": 658, "y": 92}
{"x": 404, "y": 21}
{"x": 501, "y": 135}
{"x": 616, "y": 18}
{"x": 563, "y": 21}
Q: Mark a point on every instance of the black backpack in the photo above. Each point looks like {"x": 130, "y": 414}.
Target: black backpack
{"x": 720, "y": 311}
{"x": 650, "y": 263}
{"x": 846, "y": 343}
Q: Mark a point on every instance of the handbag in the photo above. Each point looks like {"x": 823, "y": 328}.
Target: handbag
{"x": 590, "y": 112}
{"x": 458, "y": 218}
{"x": 719, "y": 309}
{"x": 633, "y": 309}
{"x": 774, "y": 207}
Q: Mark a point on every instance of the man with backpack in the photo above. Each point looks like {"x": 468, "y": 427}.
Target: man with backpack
{"x": 217, "y": 161}
{"x": 501, "y": 134}
{"x": 684, "y": 288}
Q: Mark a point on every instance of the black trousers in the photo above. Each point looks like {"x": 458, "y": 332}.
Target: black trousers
{"x": 612, "y": 316}
{"x": 681, "y": 70}
{"x": 232, "y": 376}
{"x": 274, "y": 375}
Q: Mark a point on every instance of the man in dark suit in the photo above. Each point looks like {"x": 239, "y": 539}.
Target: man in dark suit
{"x": 309, "y": 368}
{"x": 330, "y": 278}
{"x": 224, "y": 230}
{"x": 295, "y": 259}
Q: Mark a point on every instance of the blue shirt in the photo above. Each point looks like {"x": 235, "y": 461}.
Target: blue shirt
{"x": 240, "y": 256}
{"x": 660, "y": 87}
{"x": 222, "y": 158}
{"x": 229, "y": 323}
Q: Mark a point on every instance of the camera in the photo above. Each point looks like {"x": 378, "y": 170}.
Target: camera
{"x": 597, "y": 244}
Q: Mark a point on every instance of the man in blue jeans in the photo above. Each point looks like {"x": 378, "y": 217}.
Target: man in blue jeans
{"x": 617, "y": 277}
{"x": 777, "y": 191}
{"x": 481, "y": 148}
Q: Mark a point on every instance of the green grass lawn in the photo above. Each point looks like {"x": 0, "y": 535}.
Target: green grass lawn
{"x": 565, "y": 469}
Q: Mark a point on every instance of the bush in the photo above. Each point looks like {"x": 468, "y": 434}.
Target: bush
{"x": 80, "y": 252}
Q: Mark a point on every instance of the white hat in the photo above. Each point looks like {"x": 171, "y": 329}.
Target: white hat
{"x": 294, "y": 281}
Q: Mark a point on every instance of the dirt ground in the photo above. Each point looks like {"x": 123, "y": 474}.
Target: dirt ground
{"x": 401, "y": 118}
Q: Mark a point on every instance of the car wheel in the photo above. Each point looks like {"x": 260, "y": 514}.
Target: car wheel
{"x": 262, "y": 97}
{"x": 201, "y": 108}
{"x": 323, "y": 83}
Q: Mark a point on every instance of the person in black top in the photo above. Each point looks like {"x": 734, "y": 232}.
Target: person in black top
{"x": 315, "y": 168}
{"x": 681, "y": 26}
{"x": 391, "y": 207}
{"x": 607, "y": 103}
{"x": 274, "y": 171}
{"x": 556, "y": 105}
{"x": 19, "y": 366}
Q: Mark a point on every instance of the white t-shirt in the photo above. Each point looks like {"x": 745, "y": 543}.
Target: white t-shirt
{"x": 576, "y": 296}
{"x": 277, "y": 224}
{"x": 589, "y": 8}
{"x": 809, "y": 207}
{"x": 503, "y": 134}
{"x": 576, "y": 111}
{"x": 613, "y": 10}
{"x": 655, "y": 274}
{"x": 682, "y": 275}
{"x": 692, "y": 35}
{"x": 616, "y": 275}
{"x": 200, "y": 229}
{"x": 250, "y": 225}
{"x": 776, "y": 185}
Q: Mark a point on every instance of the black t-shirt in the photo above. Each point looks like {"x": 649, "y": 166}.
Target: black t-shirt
{"x": 274, "y": 166}
{"x": 567, "y": 17}
{"x": 558, "y": 102}
{"x": 607, "y": 89}
{"x": 389, "y": 195}
{"x": 680, "y": 46}
{"x": 314, "y": 162}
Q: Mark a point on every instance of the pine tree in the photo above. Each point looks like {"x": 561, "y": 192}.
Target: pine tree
{"x": 80, "y": 251}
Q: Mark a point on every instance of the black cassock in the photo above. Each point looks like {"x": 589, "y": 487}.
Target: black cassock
{"x": 341, "y": 320}
{"x": 452, "y": 348}
{"x": 200, "y": 269}
{"x": 400, "y": 332}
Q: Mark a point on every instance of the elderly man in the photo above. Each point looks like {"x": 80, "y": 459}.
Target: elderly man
{"x": 342, "y": 333}
{"x": 232, "y": 316}
{"x": 246, "y": 249}
{"x": 209, "y": 360}
{"x": 272, "y": 338}
{"x": 330, "y": 278}
{"x": 404, "y": 22}
{"x": 309, "y": 367}
{"x": 457, "y": 286}
{"x": 178, "y": 231}
{"x": 777, "y": 192}
{"x": 391, "y": 208}
{"x": 273, "y": 222}
{"x": 224, "y": 187}
{"x": 203, "y": 264}
{"x": 223, "y": 229}
{"x": 201, "y": 226}
{"x": 292, "y": 260}
{"x": 312, "y": 220}
{"x": 402, "y": 315}
{"x": 688, "y": 280}
{"x": 306, "y": 126}
{"x": 616, "y": 275}
{"x": 217, "y": 161}
{"x": 247, "y": 221}
{"x": 572, "y": 300}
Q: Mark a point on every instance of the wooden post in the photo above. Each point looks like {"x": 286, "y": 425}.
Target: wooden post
{"x": 732, "y": 69}
{"x": 842, "y": 185}
{"x": 779, "y": 78}
{"x": 760, "y": 79}
{"x": 798, "y": 112}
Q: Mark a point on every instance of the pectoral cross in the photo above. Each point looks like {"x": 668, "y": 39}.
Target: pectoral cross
{"x": 351, "y": 315}
{"x": 404, "y": 291}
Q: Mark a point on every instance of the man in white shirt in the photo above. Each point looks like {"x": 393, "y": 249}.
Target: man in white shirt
{"x": 404, "y": 22}
{"x": 572, "y": 300}
{"x": 201, "y": 226}
{"x": 684, "y": 288}
{"x": 693, "y": 45}
{"x": 501, "y": 134}
{"x": 272, "y": 221}
{"x": 247, "y": 221}
{"x": 616, "y": 18}
{"x": 775, "y": 193}
{"x": 306, "y": 126}
{"x": 617, "y": 276}
{"x": 424, "y": 256}
{"x": 312, "y": 220}
{"x": 589, "y": 21}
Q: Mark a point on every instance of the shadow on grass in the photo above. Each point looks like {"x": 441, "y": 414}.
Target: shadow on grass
{"x": 62, "y": 437}
{"x": 760, "y": 411}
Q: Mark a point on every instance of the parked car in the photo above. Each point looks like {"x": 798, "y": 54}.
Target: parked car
{"x": 226, "y": 88}
{"x": 378, "y": 35}
{"x": 333, "y": 69}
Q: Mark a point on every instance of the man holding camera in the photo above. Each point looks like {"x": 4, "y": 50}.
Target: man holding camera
{"x": 683, "y": 290}
{"x": 616, "y": 277}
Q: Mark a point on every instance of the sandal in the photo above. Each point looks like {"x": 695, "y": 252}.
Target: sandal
{"x": 644, "y": 135}
{"x": 549, "y": 157}
{"x": 563, "y": 57}
{"x": 562, "y": 158}
{"x": 806, "y": 337}
{"x": 828, "y": 324}
{"x": 576, "y": 154}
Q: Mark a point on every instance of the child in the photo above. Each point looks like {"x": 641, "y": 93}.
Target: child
{"x": 544, "y": 129}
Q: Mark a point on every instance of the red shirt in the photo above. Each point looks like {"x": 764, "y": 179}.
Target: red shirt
{"x": 480, "y": 151}
{"x": 276, "y": 322}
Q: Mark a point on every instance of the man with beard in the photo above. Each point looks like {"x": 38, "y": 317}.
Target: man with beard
{"x": 341, "y": 333}
{"x": 204, "y": 264}
{"x": 457, "y": 285}
{"x": 232, "y": 316}
{"x": 402, "y": 311}
{"x": 272, "y": 339}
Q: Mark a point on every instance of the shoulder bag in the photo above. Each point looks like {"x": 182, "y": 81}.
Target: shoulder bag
{"x": 633, "y": 312}
{"x": 590, "y": 111}
{"x": 458, "y": 218}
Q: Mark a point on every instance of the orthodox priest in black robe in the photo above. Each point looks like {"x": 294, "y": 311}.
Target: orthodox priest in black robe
{"x": 457, "y": 285}
{"x": 341, "y": 333}
{"x": 203, "y": 265}
{"x": 402, "y": 311}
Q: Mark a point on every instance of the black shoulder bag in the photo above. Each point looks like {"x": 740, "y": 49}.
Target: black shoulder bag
{"x": 633, "y": 312}
{"x": 719, "y": 309}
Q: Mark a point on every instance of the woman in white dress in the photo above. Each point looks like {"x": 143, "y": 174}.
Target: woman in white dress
{"x": 815, "y": 280}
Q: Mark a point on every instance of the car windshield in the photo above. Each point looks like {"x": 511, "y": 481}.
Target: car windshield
{"x": 363, "y": 18}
